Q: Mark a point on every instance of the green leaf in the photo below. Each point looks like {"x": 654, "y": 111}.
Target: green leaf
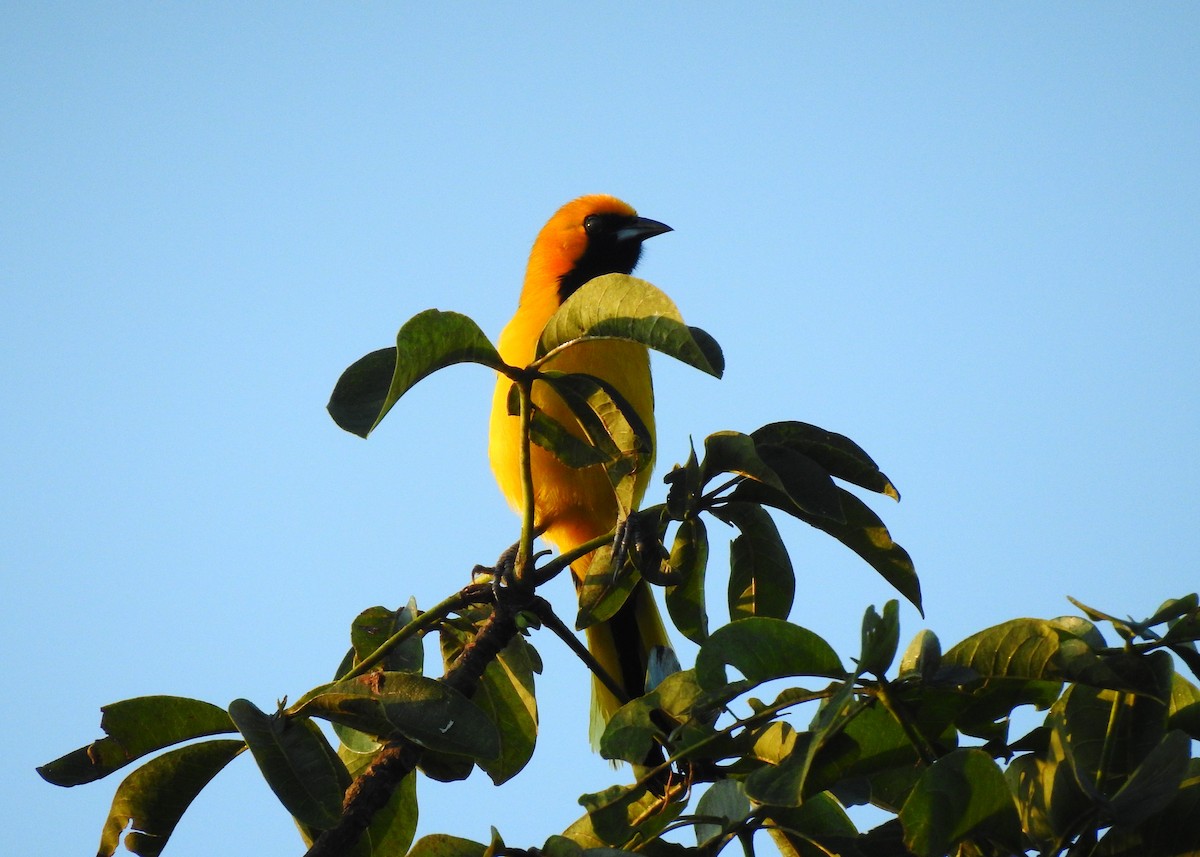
{"x": 1103, "y": 756}
{"x": 612, "y": 426}
{"x": 1171, "y": 832}
{"x": 837, "y": 454}
{"x": 880, "y": 638}
{"x": 617, "y": 306}
{"x": 1022, "y": 649}
{"x": 779, "y": 468}
{"x": 443, "y": 845}
{"x": 961, "y": 796}
{"x": 429, "y": 341}
{"x": 870, "y": 743}
{"x": 1184, "y": 711}
{"x": 1174, "y": 608}
{"x": 297, "y": 763}
{"x": 1155, "y": 782}
{"x": 762, "y": 648}
{"x": 863, "y": 532}
{"x": 603, "y": 589}
{"x": 554, "y": 437}
{"x": 422, "y": 709}
{"x": 761, "y": 579}
{"x": 506, "y": 695}
{"x": 685, "y": 488}
{"x": 631, "y": 731}
{"x": 689, "y": 560}
{"x": 923, "y": 655}
{"x": 135, "y": 727}
{"x": 724, "y": 800}
{"x": 817, "y": 828}
{"x": 617, "y": 814}
{"x": 787, "y": 783}
{"x": 375, "y": 626}
{"x": 154, "y": 797}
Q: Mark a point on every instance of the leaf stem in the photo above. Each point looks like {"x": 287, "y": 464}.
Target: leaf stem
{"x": 524, "y": 562}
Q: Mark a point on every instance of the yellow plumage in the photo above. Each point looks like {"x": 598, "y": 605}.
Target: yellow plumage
{"x": 588, "y": 237}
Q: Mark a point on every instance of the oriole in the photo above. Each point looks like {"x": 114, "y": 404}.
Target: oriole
{"x": 586, "y": 238}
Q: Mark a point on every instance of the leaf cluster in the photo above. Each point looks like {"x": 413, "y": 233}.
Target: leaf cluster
{"x": 769, "y": 735}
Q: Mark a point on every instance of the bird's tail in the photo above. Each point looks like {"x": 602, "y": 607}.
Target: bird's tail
{"x": 624, "y": 646}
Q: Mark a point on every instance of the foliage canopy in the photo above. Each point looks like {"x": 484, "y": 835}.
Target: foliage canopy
{"x": 922, "y": 733}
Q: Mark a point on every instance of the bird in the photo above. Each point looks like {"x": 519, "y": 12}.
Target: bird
{"x": 586, "y": 238}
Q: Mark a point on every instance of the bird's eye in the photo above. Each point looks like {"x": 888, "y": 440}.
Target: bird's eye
{"x": 593, "y": 223}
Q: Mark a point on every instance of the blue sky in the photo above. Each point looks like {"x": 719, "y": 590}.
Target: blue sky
{"x": 968, "y": 237}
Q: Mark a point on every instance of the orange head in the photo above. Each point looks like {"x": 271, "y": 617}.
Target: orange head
{"x": 586, "y": 238}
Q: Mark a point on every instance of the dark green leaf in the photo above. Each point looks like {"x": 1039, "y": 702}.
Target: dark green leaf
{"x": 429, "y": 341}
{"x": 375, "y": 626}
{"x": 296, "y": 761}
{"x": 689, "y": 560}
{"x": 1172, "y": 832}
{"x": 761, "y": 579}
{"x": 870, "y": 743}
{"x": 836, "y": 453}
{"x": 1174, "y": 608}
{"x": 617, "y": 306}
{"x": 632, "y": 730}
{"x": 360, "y": 392}
{"x": 506, "y": 695}
{"x": 880, "y": 638}
{"x": 862, "y": 532}
{"x": 762, "y": 648}
{"x": 603, "y": 590}
{"x": 787, "y": 783}
{"x": 134, "y": 728}
{"x": 617, "y": 814}
{"x": 817, "y": 828}
{"x": 420, "y": 708}
{"x": 1155, "y": 782}
{"x": 806, "y": 482}
{"x": 154, "y": 797}
{"x": 962, "y": 796}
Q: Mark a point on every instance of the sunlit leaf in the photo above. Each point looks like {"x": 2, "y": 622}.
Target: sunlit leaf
{"x": 963, "y": 795}
{"x": 429, "y": 341}
{"x": 618, "y": 813}
{"x": 152, "y": 799}
{"x": 762, "y": 648}
{"x": 817, "y": 828}
{"x": 135, "y": 727}
{"x": 761, "y": 579}
{"x": 623, "y": 307}
{"x": 603, "y": 589}
{"x": 442, "y": 845}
